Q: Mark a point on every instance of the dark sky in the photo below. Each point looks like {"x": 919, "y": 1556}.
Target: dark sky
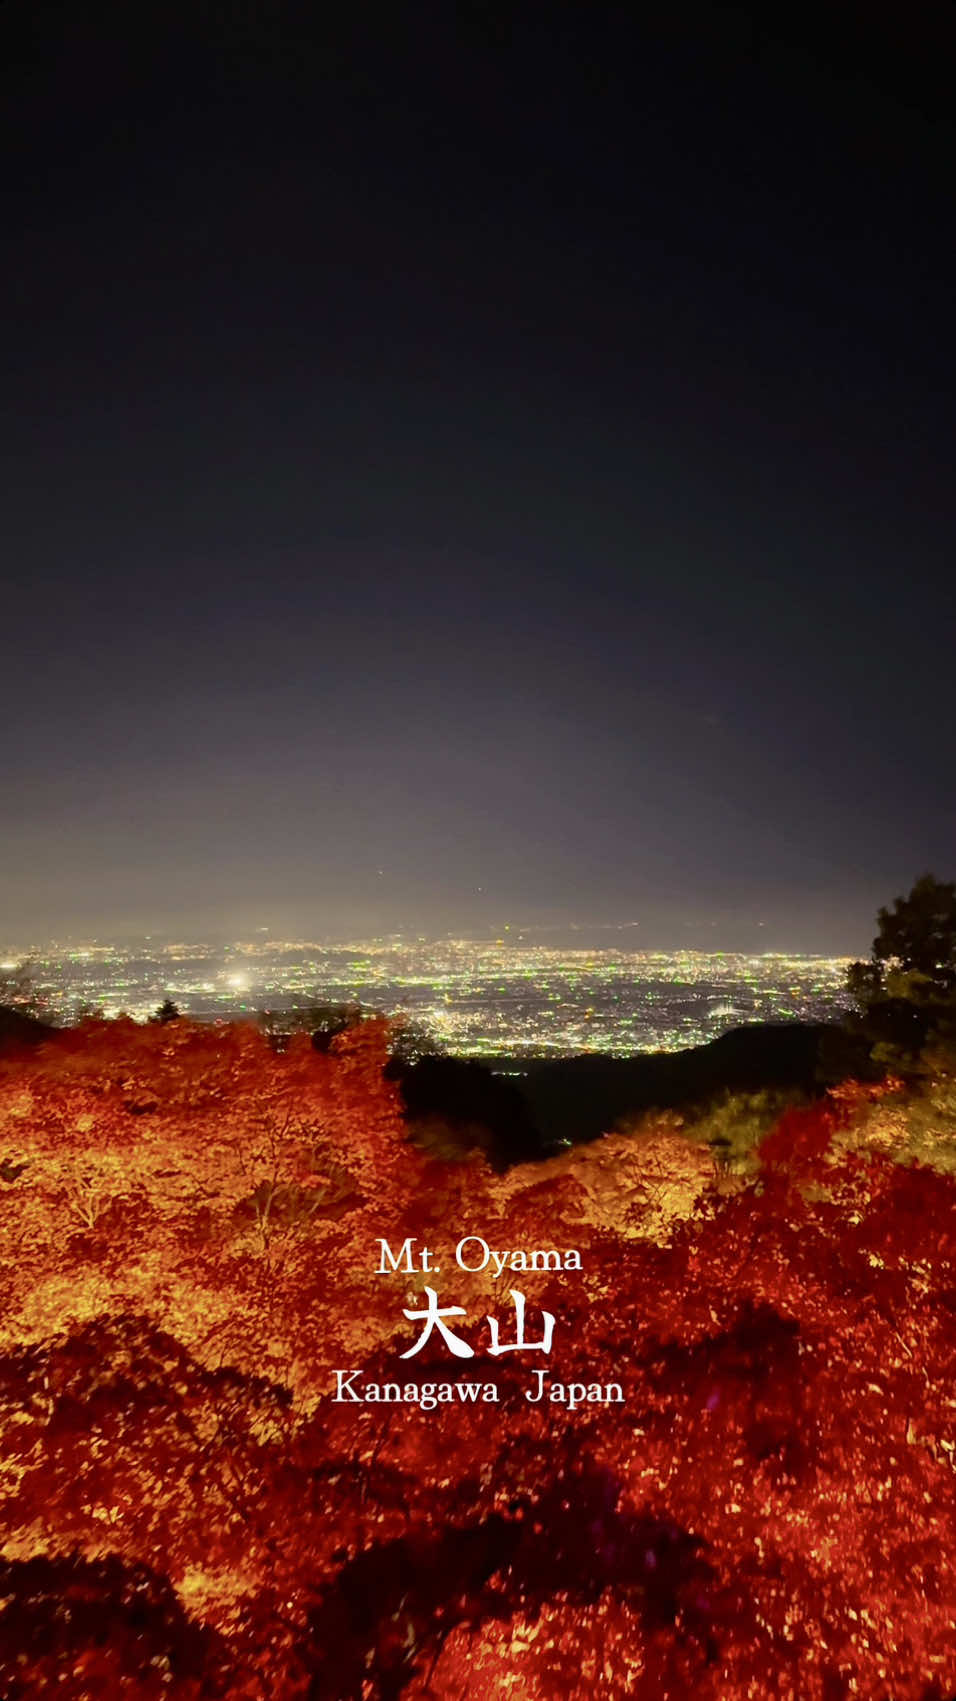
{"x": 497, "y": 467}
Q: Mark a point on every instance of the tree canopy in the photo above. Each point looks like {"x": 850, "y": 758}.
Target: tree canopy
{"x": 918, "y": 935}
{"x": 906, "y": 990}
{"x": 189, "y": 1238}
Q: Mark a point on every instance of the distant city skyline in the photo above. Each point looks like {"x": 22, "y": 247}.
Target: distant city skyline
{"x": 477, "y": 998}
{"x": 729, "y": 934}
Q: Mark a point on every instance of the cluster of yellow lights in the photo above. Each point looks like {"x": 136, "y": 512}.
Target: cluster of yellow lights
{"x": 479, "y": 997}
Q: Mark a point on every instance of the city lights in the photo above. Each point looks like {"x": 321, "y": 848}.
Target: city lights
{"x": 476, "y": 998}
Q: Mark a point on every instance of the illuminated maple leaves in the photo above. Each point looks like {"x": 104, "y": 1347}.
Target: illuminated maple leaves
{"x": 190, "y": 1226}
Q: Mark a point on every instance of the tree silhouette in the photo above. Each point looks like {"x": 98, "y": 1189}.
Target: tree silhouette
{"x": 22, "y": 1009}
{"x": 324, "y": 1022}
{"x": 906, "y": 991}
{"x": 918, "y": 935}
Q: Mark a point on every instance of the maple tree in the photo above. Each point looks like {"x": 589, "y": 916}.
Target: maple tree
{"x": 190, "y": 1234}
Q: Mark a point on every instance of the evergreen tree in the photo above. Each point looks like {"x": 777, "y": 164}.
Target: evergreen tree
{"x": 906, "y": 991}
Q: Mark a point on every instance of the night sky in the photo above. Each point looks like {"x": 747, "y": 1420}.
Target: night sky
{"x": 495, "y": 467}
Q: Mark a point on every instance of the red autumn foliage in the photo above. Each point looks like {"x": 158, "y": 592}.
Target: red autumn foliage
{"x": 189, "y": 1251}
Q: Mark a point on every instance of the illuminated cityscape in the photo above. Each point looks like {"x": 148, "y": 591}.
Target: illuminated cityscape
{"x": 476, "y": 997}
